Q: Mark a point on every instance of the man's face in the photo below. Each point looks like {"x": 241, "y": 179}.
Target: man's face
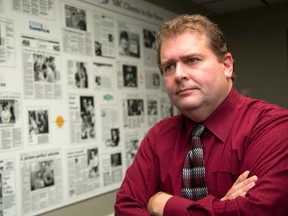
{"x": 193, "y": 75}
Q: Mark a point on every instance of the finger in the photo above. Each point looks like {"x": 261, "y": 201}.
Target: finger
{"x": 244, "y": 183}
{"x": 242, "y": 191}
{"x": 242, "y": 177}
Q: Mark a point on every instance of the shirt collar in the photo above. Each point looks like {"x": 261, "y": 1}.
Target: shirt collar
{"x": 221, "y": 119}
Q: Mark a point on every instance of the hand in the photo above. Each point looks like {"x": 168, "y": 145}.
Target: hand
{"x": 157, "y": 202}
{"x": 242, "y": 185}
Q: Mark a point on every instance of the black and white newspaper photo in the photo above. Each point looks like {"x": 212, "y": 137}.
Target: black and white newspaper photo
{"x": 129, "y": 76}
{"x": 11, "y": 134}
{"x": 82, "y": 115}
{"x": 110, "y": 118}
{"x": 133, "y": 111}
{"x": 128, "y": 39}
{"x": 104, "y": 34}
{"x": 112, "y": 168}
{"x": 38, "y": 120}
{"x": 78, "y": 74}
{"x": 152, "y": 109}
{"x": 41, "y": 66}
{"x": 132, "y": 142}
{"x": 76, "y": 37}
{"x": 153, "y": 79}
{"x": 42, "y": 180}
{"x": 83, "y": 172}
{"x": 149, "y": 44}
{"x": 166, "y": 107}
{"x": 44, "y": 8}
{"x": 7, "y": 43}
{"x": 7, "y": 188}
{"x": 104, "y": 76}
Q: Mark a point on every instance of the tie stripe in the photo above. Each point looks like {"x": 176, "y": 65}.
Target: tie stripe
{"x": 194, "y": 185}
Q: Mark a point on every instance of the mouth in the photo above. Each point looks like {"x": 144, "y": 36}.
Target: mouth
{"x": 185, "y": 91}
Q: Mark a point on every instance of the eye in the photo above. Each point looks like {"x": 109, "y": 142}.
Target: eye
{"x": 192, "y": 60}
{"x": 168, "y": 68}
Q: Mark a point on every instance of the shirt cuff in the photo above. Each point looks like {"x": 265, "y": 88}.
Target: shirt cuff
{"x": 176, "y": 206}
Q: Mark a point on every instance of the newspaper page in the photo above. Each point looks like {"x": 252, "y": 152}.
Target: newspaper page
{"x": 38, "y": 120}
{"x": 7, "y": 188}
{"x": 42, "y": 184}
{"x": 41, "y": 65}
{"x": 132, "y": 143}
{"x": 110, "y": 125}
{"x": 104, "y": 76}
{"x": 7, "y": 43}
{"x": 44, "y": 8}
{"x": 77, "y": 74}
{"x": 133, "y": 110}
{"x": 153, "y": 79}
{"x": 149, "y": 44}
{"x": 83, "y": 172}
{"x": 128, "y": 39}
{"x": 112, "y": 168}
{"x": 82, "y": 118}
{"x": 167, "y": 108}
{"x": 11, "y": 134}
{"x": 76, "y": 38}
{"x": 129, "y": 76}
{"x": 104, "y": 34}
{"x": 152, "y": 109}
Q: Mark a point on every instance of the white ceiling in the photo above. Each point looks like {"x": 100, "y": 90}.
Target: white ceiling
{"x": 229, "y": 6}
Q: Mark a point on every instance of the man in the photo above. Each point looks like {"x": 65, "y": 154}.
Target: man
{"x": 245, "y": 140}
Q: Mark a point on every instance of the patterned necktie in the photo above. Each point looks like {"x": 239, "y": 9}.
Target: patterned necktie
{"x": 194, "y": 186}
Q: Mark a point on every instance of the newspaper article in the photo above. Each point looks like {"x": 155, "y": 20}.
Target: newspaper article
{"x": 77, "y": 74}
{"x": 110, "y": 125}
{"x": 104, "y": 76}
{"x": 83, "y": 171}
{"x": 166, "y": 107}
{"x": 133, "y": 110}
{"x": 128, "y": 39}
{"x": 82, "y": 118}
{"x": 38, "y": 120}
{"x": 149, "y": 44}
{"x": 132, "y": 142}
{"x": 42, "y": 184}
{"x": 41, "y": 65}
{"x": 7, "y": 43}
{"x": 76, "y": 37}
{"x": 153, "y": 79}
{"x": 104, "y": 34}
{"x": 7, "y": 188}
{"x": 112, "y": 168}
{"x": 10, "y": 121}
{"x": 152, "y": 109}
{"x": 44, "y": 8}
{"x": 129, "y": 76}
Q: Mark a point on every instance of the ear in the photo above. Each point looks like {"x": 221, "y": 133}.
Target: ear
{"x": 228, "y": 65}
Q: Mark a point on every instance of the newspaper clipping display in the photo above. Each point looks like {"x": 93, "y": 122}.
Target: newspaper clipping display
{"x": 7, "y": 188}
{"x": 104, "y": 34}
{"x": 104, "y": 76}
{"x": 83, "y": 171}
{"x": 38, "y": 126}
{"x": 42, "y": 184}
{"x": 82, "y": 117}
{"x": 41, "y": 65}
{"x": 43, "y": 8}
{"x": 7, "y": 43}
{"x": 11, "y": 134}
{"x": 76, "y": 38}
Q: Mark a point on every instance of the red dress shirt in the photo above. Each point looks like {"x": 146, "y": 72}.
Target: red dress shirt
{"x": 242, "y": 134}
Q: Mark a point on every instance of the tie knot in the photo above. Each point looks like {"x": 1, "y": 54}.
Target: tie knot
{"x": 198, "y": 130}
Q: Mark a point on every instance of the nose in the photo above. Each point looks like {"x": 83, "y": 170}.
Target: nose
{"x": 180, "y": 72}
